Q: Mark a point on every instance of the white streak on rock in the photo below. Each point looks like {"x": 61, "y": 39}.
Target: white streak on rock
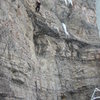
{"x": 70, "y": 2}
{"x": 66, "y": 2}
{"x": 65, "y": 29}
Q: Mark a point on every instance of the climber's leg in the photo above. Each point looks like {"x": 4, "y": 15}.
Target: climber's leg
{"x": 38, "y": 9}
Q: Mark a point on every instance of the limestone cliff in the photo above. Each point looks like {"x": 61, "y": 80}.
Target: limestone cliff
{"x": 50, "y": 55}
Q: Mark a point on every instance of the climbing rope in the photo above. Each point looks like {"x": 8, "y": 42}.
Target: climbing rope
{"x": 93, "y": 95}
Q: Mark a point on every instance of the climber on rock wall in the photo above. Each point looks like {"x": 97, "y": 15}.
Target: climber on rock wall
{"x": 38, "y": 3}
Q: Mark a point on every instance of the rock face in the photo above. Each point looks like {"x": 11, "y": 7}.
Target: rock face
{"x": 38, "y": 60}
{"x": 98, "y": 14}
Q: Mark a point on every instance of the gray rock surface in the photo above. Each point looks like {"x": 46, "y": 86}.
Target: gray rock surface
{"x": 38, "y": 61}
{"x": 98, "y": 14}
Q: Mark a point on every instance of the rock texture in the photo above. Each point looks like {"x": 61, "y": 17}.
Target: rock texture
{"x": 38, "y": 61}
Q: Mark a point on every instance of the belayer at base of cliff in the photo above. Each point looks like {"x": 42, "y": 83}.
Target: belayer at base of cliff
{"x": 38, "y": 3}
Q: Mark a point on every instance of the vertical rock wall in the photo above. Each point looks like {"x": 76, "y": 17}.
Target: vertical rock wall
{"x": 38, "y": 61}
{"x": 98, "y": 14}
